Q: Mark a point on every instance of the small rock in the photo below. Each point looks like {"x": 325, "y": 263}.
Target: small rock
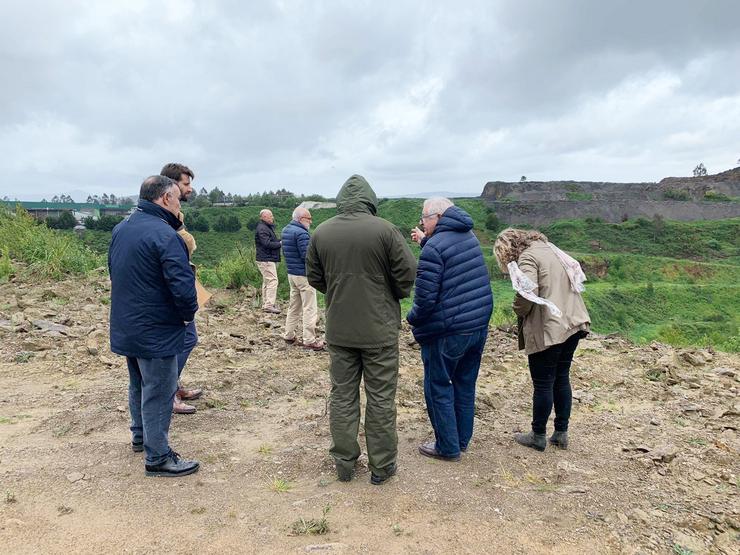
{"x": 325, "y": 547}
{"x": 728, "y": 372}
{"x": 664, "y": 453}
{"x": 685, "y": 541}
{"x": 50, "y": 327}
{"x": 640, "y": 516}
{"x": 75, "y": 477}
{"x": 655, "y": 422}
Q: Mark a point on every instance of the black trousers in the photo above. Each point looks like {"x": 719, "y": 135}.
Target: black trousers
{"x": 550, "y": 371}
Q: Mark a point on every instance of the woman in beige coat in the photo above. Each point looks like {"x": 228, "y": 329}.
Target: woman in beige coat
{"x": 548, "y": 332}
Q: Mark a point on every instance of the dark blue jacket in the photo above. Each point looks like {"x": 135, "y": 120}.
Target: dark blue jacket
{"x": 295, "y": 239}
{"x": 152, "y": 285}
{"x": 266, "y": 243}
{"x": 453, "y": 289}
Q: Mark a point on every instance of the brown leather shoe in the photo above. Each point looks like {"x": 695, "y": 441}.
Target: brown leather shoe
{"x": 178, "y": 407}
{"x": 189, "y": 394}
{"x": 315, "y": 346}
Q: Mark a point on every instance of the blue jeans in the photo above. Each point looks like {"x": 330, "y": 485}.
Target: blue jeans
{"x": 151, "y": 389}
{"x": 191, "y": 340}
{"x": 450, "y": 371}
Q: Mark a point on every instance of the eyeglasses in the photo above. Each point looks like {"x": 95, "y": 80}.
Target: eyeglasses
{"x": 426, "y": 216}
{"x": 307, "y": 218}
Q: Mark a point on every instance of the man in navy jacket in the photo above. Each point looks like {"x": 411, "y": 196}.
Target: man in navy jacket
{"x": 267, "y": 251}
{"x": 452, "y": 307}
{"x": 302, "y": 305}
{"x": 153, "y": 299}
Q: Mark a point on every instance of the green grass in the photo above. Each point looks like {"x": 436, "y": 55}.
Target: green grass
{"x": 47, "y": 253}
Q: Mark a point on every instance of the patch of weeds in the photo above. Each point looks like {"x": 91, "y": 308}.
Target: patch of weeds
{"x": 244, "y": 403}
{"x": 5, "y": 420}
{"x": 397, "y": 530}
{"x": 219, "y": 404}
{"x": 546, "y": 488}
{"x": 311, "y": 526}
{"x": 655, "y": 375}
{"x": 697, "y": 442}
{"x": 60, "y": 301}
{"x": 23, "y": 357}
{"x": 323, "y": 482}
{"x": 104, "y": 300}
{"x": 10, "y": 497}
{"x": 198, "y": 510}
{"x": 264, "y": 449}
{"x": 280, "y": 486}
{"x": 70, "y": 384}
{"x": 606, "y": 406}
{"x": 64, "y": 510}
{"x": 61, "y": 431}
{"x": 507, "y": 476}
{"x": 682, "y": 422}
{"x": 231, "y": 514}
{"x": 680, "y": 550}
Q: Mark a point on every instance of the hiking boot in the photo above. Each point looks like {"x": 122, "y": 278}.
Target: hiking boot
{"x": 272, "y": 309}
{"x": 172, "y": 467}
{"x": 559, "y": 439}
{"x": 390, "y": 471}
{"x": 137, "y": 446}
{"x": 533, "y": 440}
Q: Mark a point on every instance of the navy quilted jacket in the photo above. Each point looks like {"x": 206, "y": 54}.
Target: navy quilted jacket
{"x": 152, "y": 285}
{"x": 453, "y": 289}
{"x": 295, "y": 239}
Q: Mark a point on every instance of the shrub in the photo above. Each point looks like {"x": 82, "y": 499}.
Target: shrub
{"x": 6, "y": 266}
{"x": 65, "y": 221}
{"x": 235, "y": 270}
{"x": 49, "y": 254}
{"x": 227, "y": 223}
{"x": 493, "y": 223}
{"x": 674, "y": 194}
{"x": 714, "y": 196}
{"x": 197, "y": 222}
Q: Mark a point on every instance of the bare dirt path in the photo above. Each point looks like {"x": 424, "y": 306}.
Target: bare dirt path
{"x": 653, "y": 466}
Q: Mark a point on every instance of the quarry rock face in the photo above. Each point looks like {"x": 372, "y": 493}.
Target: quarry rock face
{"x": 674, "y": 198}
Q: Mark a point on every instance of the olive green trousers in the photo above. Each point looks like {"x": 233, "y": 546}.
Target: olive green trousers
{"x": 378, "y": 368}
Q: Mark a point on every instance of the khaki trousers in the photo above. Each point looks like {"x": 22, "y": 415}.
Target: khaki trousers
{"x": 302, "y": 303}
{"x": 269, "y": 283}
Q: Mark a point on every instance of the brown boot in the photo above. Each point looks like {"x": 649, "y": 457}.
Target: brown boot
{"x": 189, "y": 394}
{"x": 178, "y": 407}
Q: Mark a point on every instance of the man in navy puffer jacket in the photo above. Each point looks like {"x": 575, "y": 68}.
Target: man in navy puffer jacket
{"x": 452, "y": 308}
{"x": 153, "y": 299}
{"x": 302, "y": 303}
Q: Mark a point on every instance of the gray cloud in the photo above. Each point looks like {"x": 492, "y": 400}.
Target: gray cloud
{"x": 417, "y": 96}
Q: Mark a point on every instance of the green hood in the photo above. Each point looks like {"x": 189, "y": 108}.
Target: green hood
{"x": 356, "y": 195}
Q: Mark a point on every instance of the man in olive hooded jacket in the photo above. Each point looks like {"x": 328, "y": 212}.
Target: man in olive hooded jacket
{"x": 364, "y": 267}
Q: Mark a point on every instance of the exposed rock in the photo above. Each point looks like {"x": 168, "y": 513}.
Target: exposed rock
{"x": 50, "y": 327}
{"x": 75, "y": 477}
{"x": 664, "y": 453}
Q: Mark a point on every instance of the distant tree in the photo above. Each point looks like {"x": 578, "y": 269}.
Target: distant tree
{"x": 227, "y": 223}
{"x": 203, "y": 191}
{"x": 700, "y": 170}
{"x": 89, "y": 199}
{"x": 107, "y": 223}
{"x": 216, "y": 195}
{"x": 252, "y": 223}
{"x": 104, "y": 199}
{"x": 112, "y": 199}
{"x": 738, "y": 162}
{"x": 65, "y": 221}
{"x": 522, "y": 179}
{"x": 201, "y": 201}
{"x": 197, "y": 222}
{"x": 43, "y": 200}
{"x": 55, "y": 198}
{"x": 492, "y": 222}
{"x": 658, "y": 226}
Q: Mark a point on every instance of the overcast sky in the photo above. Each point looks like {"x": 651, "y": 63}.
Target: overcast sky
{"x": 415, "y": 95}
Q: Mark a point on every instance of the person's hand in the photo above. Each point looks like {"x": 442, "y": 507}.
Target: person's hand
{"x": 417, "y": 235}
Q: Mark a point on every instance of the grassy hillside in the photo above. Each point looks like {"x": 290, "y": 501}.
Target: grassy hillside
{"x": 677, "y": 282}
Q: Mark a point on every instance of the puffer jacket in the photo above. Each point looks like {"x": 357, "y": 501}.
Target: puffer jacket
{"x": 364, "y": 266}
{"x": 295, "y": 240}
{"x": 152, "y": 285}
{"x": 453, "y": 288}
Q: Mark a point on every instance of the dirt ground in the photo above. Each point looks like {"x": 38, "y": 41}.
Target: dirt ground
{"x": 653, "y": 465}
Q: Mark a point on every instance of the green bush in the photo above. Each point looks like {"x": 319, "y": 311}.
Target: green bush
{"x": 6, "y": 265}
{"x": 714, "y": 196}
{"x": 65, "y": 221}
{"x": 675, "y": 194}
{"x": 234, "y": 271}
{"x": 226, "y": 223}
{"x": 48, "y": 253}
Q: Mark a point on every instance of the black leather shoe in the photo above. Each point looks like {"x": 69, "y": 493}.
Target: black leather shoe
{"x": 533, "y": 440}
{"x": 172, "y": 467}
{"x": 137, "y": 447}
{"x": 390, "y": 471}
{"x": 345, "y": 474}
{"x": 429, "y": 450}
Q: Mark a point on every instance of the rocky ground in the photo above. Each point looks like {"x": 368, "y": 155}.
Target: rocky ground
{"x": 653, "y": 465}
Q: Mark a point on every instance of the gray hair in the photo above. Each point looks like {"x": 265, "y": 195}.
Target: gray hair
{"x": 155, "y": 187}
{"x": 437, "y": 205}
{"x": 299, "y": 212}
{"x": 265, "y": 211}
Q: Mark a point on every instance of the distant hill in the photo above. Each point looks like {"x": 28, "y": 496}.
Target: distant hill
{"x": 709, "y": 197}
